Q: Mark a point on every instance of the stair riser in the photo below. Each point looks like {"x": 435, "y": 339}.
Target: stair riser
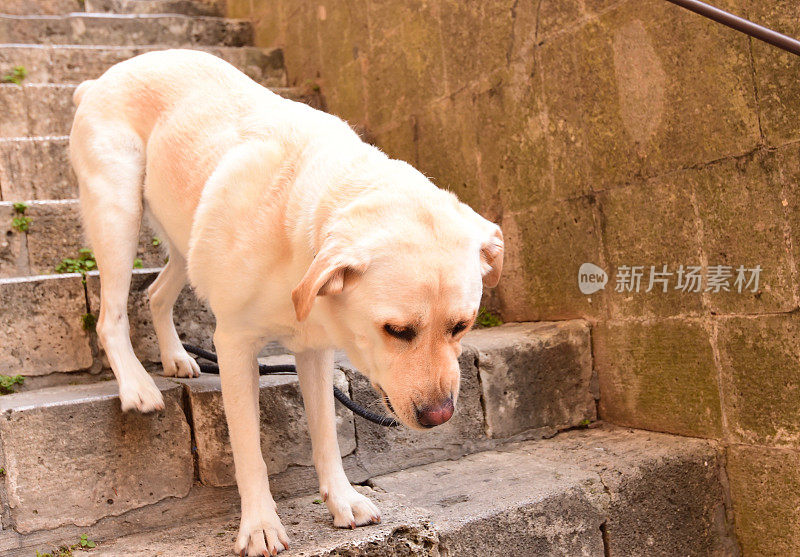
{"x": 36, "y": 110}
{"x": 185, "y": 7}
{"x": 55, "y": 232}
{"x": 36, "y": 169}
{"x": 60, "y": 7}
{"x": 97, "y": 462}
{"x": 52, "y": 339}
{"x": 47, "y": 110}
{"x": 112, "y": 478}
{"x": 41, "y": 326}
{"x": 74, "y": 64}
{"x": 134, "y": 30}
{"x": 40, "y": 7}
{"x": 284, "y": 436}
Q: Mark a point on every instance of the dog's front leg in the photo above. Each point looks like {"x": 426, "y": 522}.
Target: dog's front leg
{"x": 348, "y": 507}
{"x": 260, "y": 529}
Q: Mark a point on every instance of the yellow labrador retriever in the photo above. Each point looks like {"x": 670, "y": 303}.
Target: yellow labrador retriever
{"x": 292, "y": 229}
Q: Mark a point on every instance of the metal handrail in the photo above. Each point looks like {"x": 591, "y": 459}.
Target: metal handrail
{"x": 740, "y": 24}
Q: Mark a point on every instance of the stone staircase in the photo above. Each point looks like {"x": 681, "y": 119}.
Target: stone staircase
{"x": 523, "y": 468}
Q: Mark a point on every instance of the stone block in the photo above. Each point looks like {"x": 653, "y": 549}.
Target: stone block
{"x": 658, "y": 375}
{"x": 761, "y": 385}
{"x": 535, "y": 375}
{"x": 41, "y": 327}
{"x": 406, "y": 69}
{"x": 741, "y": 204}
{"x": 50, "y": 109}
{"x": 183, "y": 7}
{"x": 650, "y": 224}
{"x": 69, "y": 64}
{"x": 285, "y": 440}
{"x": 775, "y": 72}
{"x": 545, "y": 247}
{"x": 56, "y": 232}
{"x": 72, "y": 457}
{"x": 535, "y": 498}
{"x": 625, "y": 101}
{"x": 506, "y": 499}
{"x": 13, "y": 113}
{"x": 765, "y": 489}
{"x": 475, "y": 38}
{"x": 36, "y": 168}
{"x": 41, "y": 7}
{"x": 667, "y": 500}
{"x": 591, "y": 492}
{"x": 113, "y": 29}
{"x": 13, "y": 248}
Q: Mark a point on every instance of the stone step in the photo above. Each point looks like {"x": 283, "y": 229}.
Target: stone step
{"x": 41, "y": 7}
{"x": 36, "y": 110}
{"x": 42, "y": 323}
{"x": 185, "y": 7}
{"x": 47, "y": 110}
{"x": 85, "y": 469}
{"x": 55, "y": 232}
{"x": 84, "y": 412}
{"x": 56, "y": 7}
{"x": 37, "y": 167}
{"x": 124, "y": 29}
{"x": 603, "y": 491}
{"x": 61, "y": 64}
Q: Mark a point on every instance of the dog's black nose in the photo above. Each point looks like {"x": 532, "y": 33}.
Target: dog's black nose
{"x": 431, "y": 416}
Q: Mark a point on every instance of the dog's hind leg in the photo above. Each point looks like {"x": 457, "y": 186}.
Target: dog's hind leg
{"x": 163, "y": 294}
{"x": 110, "y": 169}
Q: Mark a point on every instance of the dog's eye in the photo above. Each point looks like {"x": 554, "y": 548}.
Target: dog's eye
{"x": 403, "y": 333}
{"x": 459, "y": 328}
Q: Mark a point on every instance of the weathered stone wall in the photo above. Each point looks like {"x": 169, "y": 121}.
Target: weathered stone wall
{"x": 619, "y": 133}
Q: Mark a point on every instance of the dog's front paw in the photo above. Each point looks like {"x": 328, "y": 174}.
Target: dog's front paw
{"x": 261, "y": 532}
{"x": 140, "y": 393}
{"x": 349, "y": 508}
{"x": 179, "y": 364}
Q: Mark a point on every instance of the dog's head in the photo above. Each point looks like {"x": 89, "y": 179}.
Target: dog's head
{"x": 400, "y": 282}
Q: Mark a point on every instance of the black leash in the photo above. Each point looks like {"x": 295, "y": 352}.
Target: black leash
{"x": 289, "y": 369}
{"x": 740, "y": 24}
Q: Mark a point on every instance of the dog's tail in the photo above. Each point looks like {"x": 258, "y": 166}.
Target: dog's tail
{"x": 81, "y": 90}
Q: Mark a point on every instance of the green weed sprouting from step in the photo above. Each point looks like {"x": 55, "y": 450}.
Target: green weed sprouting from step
{"x": 7, "y": 383}
{"x": 156, "y": 241}
{"x": 487, "y": 319}
{"x": 66, "y": 550}
{"x": 20, "y": 222}
{"x": 82, "y": 264}
{"x": 16, "y": 75}
{"x": 89, "y": 322}
{"x": 2, "y": 471}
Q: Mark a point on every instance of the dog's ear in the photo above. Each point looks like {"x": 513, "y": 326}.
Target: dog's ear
{"x": 331, "y": 272}
{"x": 492, "y": 257}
